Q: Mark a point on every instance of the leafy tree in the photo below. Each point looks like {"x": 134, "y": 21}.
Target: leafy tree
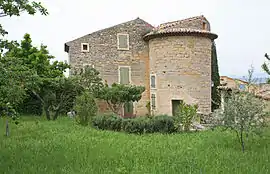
{"x": 90, "y": 80}
{"x": 243, "y": 113}
{"x": 46, "y": 78}
{"x": 117, "y": 95}
{"x": 86, "y": 108}
{"x": 265, "y": 66}
{"x": 216, "y": 99}
{"x": 14, "y": 79}
{"x": 16, "y": 7}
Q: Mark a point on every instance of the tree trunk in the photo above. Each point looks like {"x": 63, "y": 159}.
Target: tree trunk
{"x": 7, "y": 129}
{"x": 47, "y": 113}
{"x": 56, "y": 114}
{"x": 242, "y": 141}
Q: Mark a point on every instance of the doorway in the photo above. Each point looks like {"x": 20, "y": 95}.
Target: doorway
{"x": 128, "y": 110}
{"x": 175, "y": 106}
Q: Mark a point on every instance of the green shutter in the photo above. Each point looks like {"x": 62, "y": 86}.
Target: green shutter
{"x": 123, "y": 41}
{"x": 124, "y": 75}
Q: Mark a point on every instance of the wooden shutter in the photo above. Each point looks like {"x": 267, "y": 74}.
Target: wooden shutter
{"x": 124, "y": 75}
{"x": 123, "y": 41}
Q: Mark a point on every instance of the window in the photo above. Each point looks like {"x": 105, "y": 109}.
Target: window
{"x": 123, "y": 41}
{"x": 204, "y": 26}
{"x": 85, "y": 47}
{"x": 153, "y": 101}
{"x": 153, "y": 81}
{"x": 124, "y": 75}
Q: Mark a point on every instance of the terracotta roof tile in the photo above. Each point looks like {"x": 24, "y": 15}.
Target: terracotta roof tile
{"x": 179, "y": 31}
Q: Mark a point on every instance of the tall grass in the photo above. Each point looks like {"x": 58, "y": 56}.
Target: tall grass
{"x": 40, "y": 146}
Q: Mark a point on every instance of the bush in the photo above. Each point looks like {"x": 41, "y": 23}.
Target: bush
{"x": 138, "y": 125}
{"x": 185, "y": 115}
{"x": 86, "y": 108}
{"x": 163, "y": 124}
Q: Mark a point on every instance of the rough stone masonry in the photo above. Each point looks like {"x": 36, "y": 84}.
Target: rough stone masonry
{"x": 172, "y": 61}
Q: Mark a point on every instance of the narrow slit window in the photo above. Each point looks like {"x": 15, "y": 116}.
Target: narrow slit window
{"x": 153, "y": 81}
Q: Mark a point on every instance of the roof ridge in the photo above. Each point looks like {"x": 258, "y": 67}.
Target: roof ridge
{"x": 172, "y": 23}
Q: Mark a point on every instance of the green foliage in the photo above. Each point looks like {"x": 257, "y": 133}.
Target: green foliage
{"x": 244, "y": 114}
{"x": 265, "y": 66}
{"x": 62, "y": 141}
{"x": 86, "y": 108}
{"x": 15, "y": 8}
{"x": 90, "y": 80}
{"x": 185, "y": 115}
{"x": 119, "y": 94}
{"x": 13, "y": 81}
{"x": 33, "y": 72}
{"x": 138, "y": 125}
{"x": 108, "y": 122}
{"x": 215, "y": 95}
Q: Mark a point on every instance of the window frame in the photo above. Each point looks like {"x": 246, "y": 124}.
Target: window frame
{"x": 118, "y": 41}
{"x": 155, "y": 81}
{"x": 151, "y": 103}
{"x": 119, "y": 73}
{"x": 82, "y": 44}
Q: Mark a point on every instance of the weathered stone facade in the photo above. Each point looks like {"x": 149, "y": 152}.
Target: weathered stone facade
{"x": 178, "y": 53}
{"x": 182, "y": 65}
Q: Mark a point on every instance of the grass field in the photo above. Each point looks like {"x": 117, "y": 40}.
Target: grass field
{"x": 39, "y": 146}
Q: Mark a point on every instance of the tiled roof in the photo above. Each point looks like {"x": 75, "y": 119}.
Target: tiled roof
{"x": 178, "y": 31}
{"x": 174, "y": 23}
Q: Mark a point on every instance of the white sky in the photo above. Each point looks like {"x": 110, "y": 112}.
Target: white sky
{"x": 243, "y": 26}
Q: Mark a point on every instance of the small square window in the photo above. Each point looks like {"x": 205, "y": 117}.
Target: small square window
{"x": 123, "y": 41}
{"x": 85, "y": 47}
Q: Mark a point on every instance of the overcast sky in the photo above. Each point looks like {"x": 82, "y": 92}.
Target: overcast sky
{"x": 243, "y": 26}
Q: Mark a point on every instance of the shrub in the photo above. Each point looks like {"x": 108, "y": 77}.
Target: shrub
{"x": 163, "y": 124}
{"x": 244, "y": 114}
{"x": 86, "y": 108}
{"x": 185, "y": 115}
{"x": 138, "y": 125}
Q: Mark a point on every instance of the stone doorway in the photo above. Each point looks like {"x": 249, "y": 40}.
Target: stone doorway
{"x": 175, "y": 106}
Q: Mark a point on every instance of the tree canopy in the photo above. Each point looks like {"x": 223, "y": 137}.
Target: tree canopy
{"x": 17, "y": 7}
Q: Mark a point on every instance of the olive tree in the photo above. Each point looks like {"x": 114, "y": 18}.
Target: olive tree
{"x": 244, "y": 114}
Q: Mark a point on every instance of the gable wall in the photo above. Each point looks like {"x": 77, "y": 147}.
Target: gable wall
{"x": 106, "y": 57}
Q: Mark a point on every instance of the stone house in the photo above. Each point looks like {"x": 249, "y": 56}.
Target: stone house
{"x": 172, "y": 61}
{"x": 233, "y": 83}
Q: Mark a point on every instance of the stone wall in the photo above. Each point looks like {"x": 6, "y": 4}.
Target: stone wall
{"x": 193, "y": 23}
{"x": 182, "y": 65}
{"x": 106, "y": 58}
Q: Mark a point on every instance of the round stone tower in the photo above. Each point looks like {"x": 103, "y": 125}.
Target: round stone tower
{"x": 180, "y": 65}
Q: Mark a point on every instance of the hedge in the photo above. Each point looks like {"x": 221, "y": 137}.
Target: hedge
{"x": 138, "y": 125}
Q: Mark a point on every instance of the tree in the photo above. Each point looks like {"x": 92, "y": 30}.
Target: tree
{"x": 86, "y": 108}
{"x": 90, "y": 80}
{"x": 16, "y": 7}
{"x": 216, "y": 99}
{"x": 117, "y": 95}
{"x": 265, "y": 66}
{"x": 243, "y": 113}
{"x": 46, "y": 77}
